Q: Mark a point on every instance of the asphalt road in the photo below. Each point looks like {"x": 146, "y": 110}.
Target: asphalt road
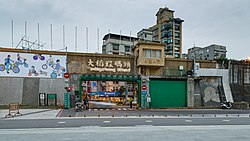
{"x": 137, "y": 133}
{"x": 153, "y": 112}
{"x": 119, "y": 122}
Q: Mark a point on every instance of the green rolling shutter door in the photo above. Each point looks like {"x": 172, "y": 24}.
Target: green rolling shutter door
{"x": 168, "y": 93}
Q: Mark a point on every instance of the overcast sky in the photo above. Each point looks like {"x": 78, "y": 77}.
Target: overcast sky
{"x": 223, "y": 22}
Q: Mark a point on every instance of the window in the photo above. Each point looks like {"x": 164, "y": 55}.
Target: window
{"x": 103, "y": 48}
{"x": 170, "y": 41}
{"x": 145, "y": 35}
{"x": 177, "y": 42}
{"x": 146, "y": 53}
{"x": 177, "y": 35}
{"x": 116, "y": 47}
{"x": 127, "y": 48}
{"x": 177, "y": 27}
{"x": 169, "y": 34}
{"x": 151, "y": 53}
{"x": 158, "y": 54}
{"x": 164, "y": 34}
{"x": 164, "y": 41}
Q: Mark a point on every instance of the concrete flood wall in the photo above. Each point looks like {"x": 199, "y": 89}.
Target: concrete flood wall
{"x": 53, "y": 86}
{"x": 26, "y": 90}
{"x": 11, "y": 90}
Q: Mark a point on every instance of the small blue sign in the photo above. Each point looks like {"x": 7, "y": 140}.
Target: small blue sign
{"x": 144, "y": 92}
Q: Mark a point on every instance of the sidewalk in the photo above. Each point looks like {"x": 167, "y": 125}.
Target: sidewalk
{"x": 31, "y": 113}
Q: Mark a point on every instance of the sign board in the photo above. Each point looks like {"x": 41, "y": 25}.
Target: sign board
{"x": 41, "y": 99}
{"x": 143, "y": 101}
{"x": 51, "y": 96}
{"x": 42, "y": 95}
{"x": 66, "y": 75}
{"x": 144, "y": 92}
{"x": 144, "y": 87}
{"x": 66, "y": 100}
{"x": 101, "y": 65}
{"x": 148, "y": 99}
{"x": 51, "y": 99}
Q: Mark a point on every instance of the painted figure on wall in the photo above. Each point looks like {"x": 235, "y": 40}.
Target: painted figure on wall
{"x": 50, "y": 61}
{"x": 31, "y": 65}
{"x": 21, "y": 61}
{"x": 32, "y": 70}
{"x": 59, "y": 69}
{"x": 7, "y": 63}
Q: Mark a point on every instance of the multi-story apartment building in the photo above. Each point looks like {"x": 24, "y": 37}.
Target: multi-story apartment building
{"x": 145, "y": 35}
{"x": 210, "y": 52}
{"x": 118, "y": 44}
{"x": 168, "y": 30}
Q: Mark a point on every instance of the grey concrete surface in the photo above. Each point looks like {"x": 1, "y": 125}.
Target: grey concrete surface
{"x": 26, "y": 90}
{"x": 11, "y": 90}
{"x": 135, "y": 133}
{"x": 31, "y": 114}
{"x": 30, "y": 91}
{"x": 53, "y": 86}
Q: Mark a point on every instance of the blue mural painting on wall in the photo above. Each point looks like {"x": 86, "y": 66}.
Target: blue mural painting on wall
{"x": 8, "y": 65}
{"x": 32, "y": 65}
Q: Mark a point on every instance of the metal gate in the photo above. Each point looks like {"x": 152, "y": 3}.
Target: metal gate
{"x": 168, "y": 93}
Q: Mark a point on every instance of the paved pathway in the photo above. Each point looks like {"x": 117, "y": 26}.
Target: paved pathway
{"x": 32, "y": 113}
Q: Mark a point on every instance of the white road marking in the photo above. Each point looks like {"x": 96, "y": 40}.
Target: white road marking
{"x": 188, "y": 120}
{"x": 106, "y": 121}
{"x": 143, "y": 125}
{"x": 226, "y": 120}
{"x": 61, "y": 122}
{"x": 148, "y": 121}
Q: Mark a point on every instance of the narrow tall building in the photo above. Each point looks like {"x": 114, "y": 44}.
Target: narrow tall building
{"x": 168, "y": 30}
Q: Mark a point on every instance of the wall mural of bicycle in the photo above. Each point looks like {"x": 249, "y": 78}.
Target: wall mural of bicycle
{"x": 32, "y": 65}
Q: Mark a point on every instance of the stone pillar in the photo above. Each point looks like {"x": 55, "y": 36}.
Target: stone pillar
{"x": 190, "y": 92}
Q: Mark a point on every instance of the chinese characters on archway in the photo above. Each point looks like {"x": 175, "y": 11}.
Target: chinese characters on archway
{"x": 108, "y": 66}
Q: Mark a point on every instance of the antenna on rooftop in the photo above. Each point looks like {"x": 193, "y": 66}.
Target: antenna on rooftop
{"x": 75, "y": 38}
{"x": 63, "y": 36}
{"x": 12, "y": 31}
{"x": 98, "y": 39}
{"x": 38, "y": 36}
{"x": 31, "y": 45}
{"x": 51, "y": 41}
{"x": 120, "y": 37}
{"x": 109, "y": 33}
{"x": 87, "y": 39}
